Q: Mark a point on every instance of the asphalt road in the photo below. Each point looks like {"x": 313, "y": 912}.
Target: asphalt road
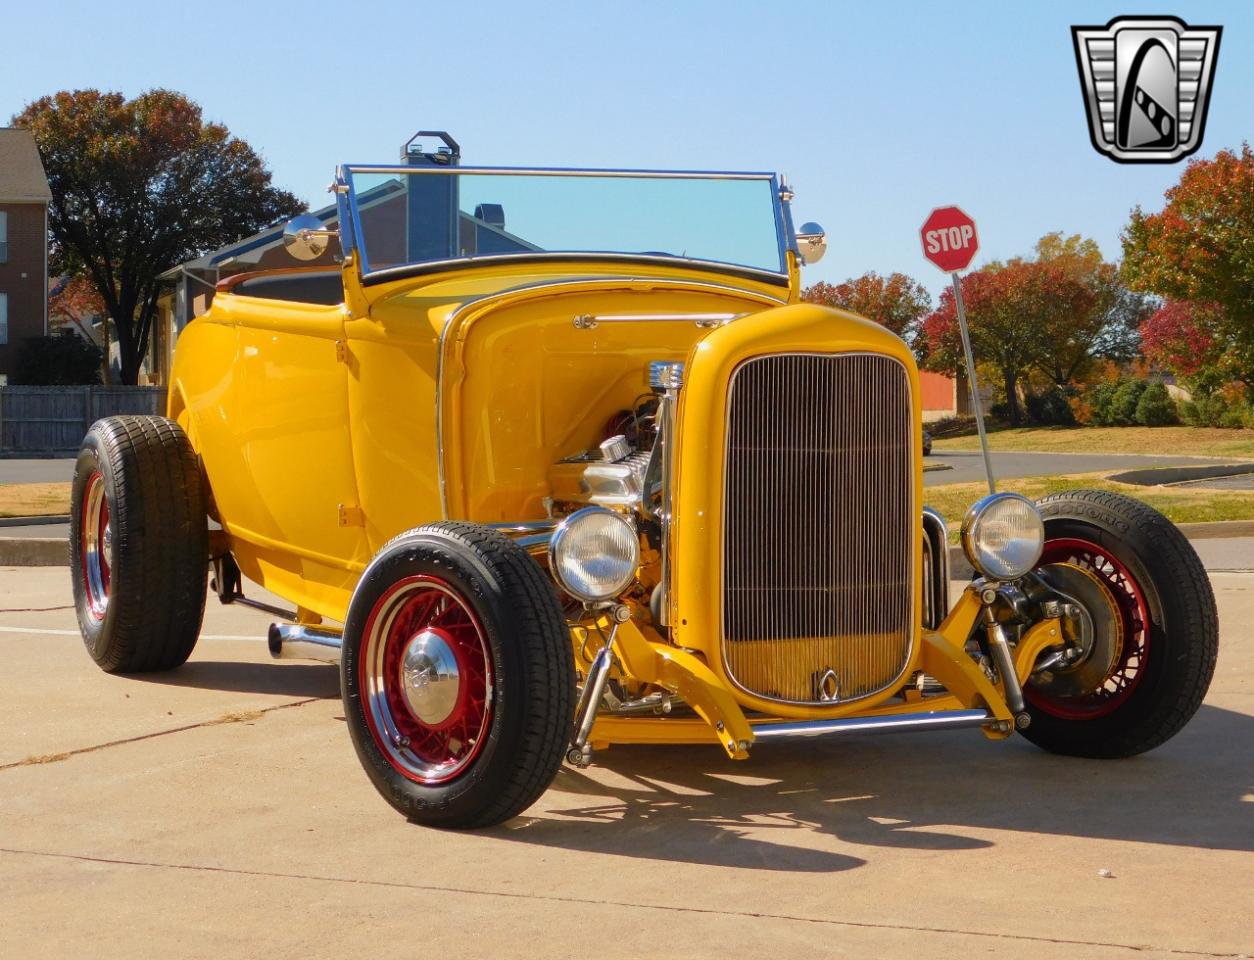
{"x": 968, "y": 466}
{"x": 218, "y": 811}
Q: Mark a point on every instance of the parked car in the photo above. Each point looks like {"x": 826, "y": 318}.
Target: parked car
{"x": 557, "y": 459}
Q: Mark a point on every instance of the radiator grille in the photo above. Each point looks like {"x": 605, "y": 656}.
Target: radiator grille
{"x": 819, "y": 526}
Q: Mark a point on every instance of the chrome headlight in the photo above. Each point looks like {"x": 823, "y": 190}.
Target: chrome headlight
{"x": 594, "y": 554}
{"x": 1003, "y": 535}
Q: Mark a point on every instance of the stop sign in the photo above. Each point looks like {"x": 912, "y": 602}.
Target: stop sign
{"x": 949, "y": 239}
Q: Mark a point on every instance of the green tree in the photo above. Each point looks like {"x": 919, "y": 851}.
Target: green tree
{"x": 1200, "y": 249}
{"x": 1123, "y": 404}
{"x": 1156, "y": 408}
{"x": 139, "y": 186}
{"x": 896, "y": 301}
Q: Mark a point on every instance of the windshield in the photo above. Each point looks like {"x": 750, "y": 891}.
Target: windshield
{"x": 406, "y": 216}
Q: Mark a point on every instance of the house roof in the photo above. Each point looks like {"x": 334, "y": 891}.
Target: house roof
{"x": 22, "y": 178}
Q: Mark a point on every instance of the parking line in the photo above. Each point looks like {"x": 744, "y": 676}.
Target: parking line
{"x": 75, "y": 633}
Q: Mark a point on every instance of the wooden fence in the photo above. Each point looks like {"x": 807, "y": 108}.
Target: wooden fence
{"x": 38, "y": 421}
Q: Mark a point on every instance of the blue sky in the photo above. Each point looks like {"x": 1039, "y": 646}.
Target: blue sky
{"x": 877, "y": 112}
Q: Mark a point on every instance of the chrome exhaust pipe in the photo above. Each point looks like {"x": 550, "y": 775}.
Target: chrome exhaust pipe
{"x": 893, "y": 723}
{"x": 297, "y": 641}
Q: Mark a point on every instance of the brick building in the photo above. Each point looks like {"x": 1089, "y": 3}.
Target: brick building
{"x": 24, "y": 199}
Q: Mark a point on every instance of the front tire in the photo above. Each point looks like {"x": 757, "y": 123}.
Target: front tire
{"x": 139, "y": 544}
{"x": 457, "y": 676}
{"x": 1163, "y": 610}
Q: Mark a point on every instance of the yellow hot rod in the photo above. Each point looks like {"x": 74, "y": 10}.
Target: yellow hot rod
{"x": 572, "y": 465}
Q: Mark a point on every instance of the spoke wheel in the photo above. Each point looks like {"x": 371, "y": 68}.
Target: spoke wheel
{"x": 97, "y": 539}
{"x": 1155, "y": 636}
{"x": 426, "y": 679}
{"x": 457, "y": 675}
{"x": 1129, "y": 667}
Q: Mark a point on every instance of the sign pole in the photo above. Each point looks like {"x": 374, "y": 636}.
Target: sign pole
{"x": 975, "y": 392}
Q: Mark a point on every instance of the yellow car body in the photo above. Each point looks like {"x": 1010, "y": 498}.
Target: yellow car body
{"x": 554, "y": 460}
{"x": 327, "y": 430}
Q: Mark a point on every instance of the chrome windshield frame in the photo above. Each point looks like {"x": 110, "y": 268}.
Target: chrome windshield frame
{"x": 345, "y": 185}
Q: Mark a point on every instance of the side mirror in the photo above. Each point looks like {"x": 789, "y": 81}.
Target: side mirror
{"x": 811, "y": 242}
{"x": 305, "y": 237}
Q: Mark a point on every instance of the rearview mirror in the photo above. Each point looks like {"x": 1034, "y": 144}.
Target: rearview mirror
{"x": 811, "y": 242}
{"x": 306, "y": 237}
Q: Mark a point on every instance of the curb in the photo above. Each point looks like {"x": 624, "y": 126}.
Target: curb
{"x": 34, "y": 552}
{"x": 959, "y": 569}
{"x": 33, "y": 521}
{"x": 54, "y": 552}
{"x": 1217, "y": 529}
{"x": 1164, "y": 476}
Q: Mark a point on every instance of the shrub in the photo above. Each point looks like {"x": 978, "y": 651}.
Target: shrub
{"x": 951, "y": 426}
{"x": 1081, "y": 409}
{"x": 1156, "y": 408}
{"x": 1123, "y": 403}
{"x": 66, "y": 359}
{"x": 1234, "y": 418}
{"x": 1050, "y": 408}
{"x": 1217, "y": 410}
{"x": 1100, "y": 398}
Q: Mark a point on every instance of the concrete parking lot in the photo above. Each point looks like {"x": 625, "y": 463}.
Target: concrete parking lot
{"x": 219, "y": 811}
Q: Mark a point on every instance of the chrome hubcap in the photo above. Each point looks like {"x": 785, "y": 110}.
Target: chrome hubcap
{"x": 430, "y": 677}
{"x": 96, "y": 544}
{"x": 426, "y": 679}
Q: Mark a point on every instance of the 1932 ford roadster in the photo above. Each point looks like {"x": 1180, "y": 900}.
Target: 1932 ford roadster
{"x": 572, "y": 465}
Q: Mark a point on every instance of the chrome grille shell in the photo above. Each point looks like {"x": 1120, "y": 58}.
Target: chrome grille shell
{"x": 820, "y": 528}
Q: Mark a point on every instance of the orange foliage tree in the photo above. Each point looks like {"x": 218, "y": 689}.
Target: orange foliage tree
{"x": 139, "y": 186}
{"x": 1200, "y": 249}
{"x": 896, "y": 301}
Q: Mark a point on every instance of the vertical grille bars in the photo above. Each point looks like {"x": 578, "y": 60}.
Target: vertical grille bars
{"x": 819, "y": 526}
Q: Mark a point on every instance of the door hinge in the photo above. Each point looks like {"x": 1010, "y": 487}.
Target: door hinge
{"x": 351, "y": 516}
{"x": 341, "y": 351}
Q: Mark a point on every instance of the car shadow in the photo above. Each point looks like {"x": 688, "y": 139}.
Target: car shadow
{"x": 912, "y": 791}
{"x": 306, "y": 680}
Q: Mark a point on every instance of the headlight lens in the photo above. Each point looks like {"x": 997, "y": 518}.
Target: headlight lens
{"x": 594, "y": 554}
{"x": 1003, "y": 535}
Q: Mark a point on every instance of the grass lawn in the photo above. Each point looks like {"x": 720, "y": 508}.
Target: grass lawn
{"x": 34, "y": 499}
{"x": 1178, "y": 441}
{"x": 1186, "y": 504}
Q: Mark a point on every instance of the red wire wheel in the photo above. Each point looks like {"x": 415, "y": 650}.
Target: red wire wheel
{"x": 1129, "y": 667}
{"x": 458, "y": 675}
{"x": 426, "y": 679}
{"x": 96, "y": 537}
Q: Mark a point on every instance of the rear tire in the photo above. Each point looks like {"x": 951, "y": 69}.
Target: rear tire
{"x": 139, "y": 544}
{"x": 457, "y": 676}
{"x": 1166, "y": 609}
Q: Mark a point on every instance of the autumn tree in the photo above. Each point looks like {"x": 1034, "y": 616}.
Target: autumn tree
{"x": 1004, "y": 304}
{"x": 896, "y": 301}
{"x": 1200, "y": 249}
{"x": 139, "y": 186}
{"x": 76, "y": 301}
{"x": 1182, "y": 338}
{"x": 1094, "y": 316}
